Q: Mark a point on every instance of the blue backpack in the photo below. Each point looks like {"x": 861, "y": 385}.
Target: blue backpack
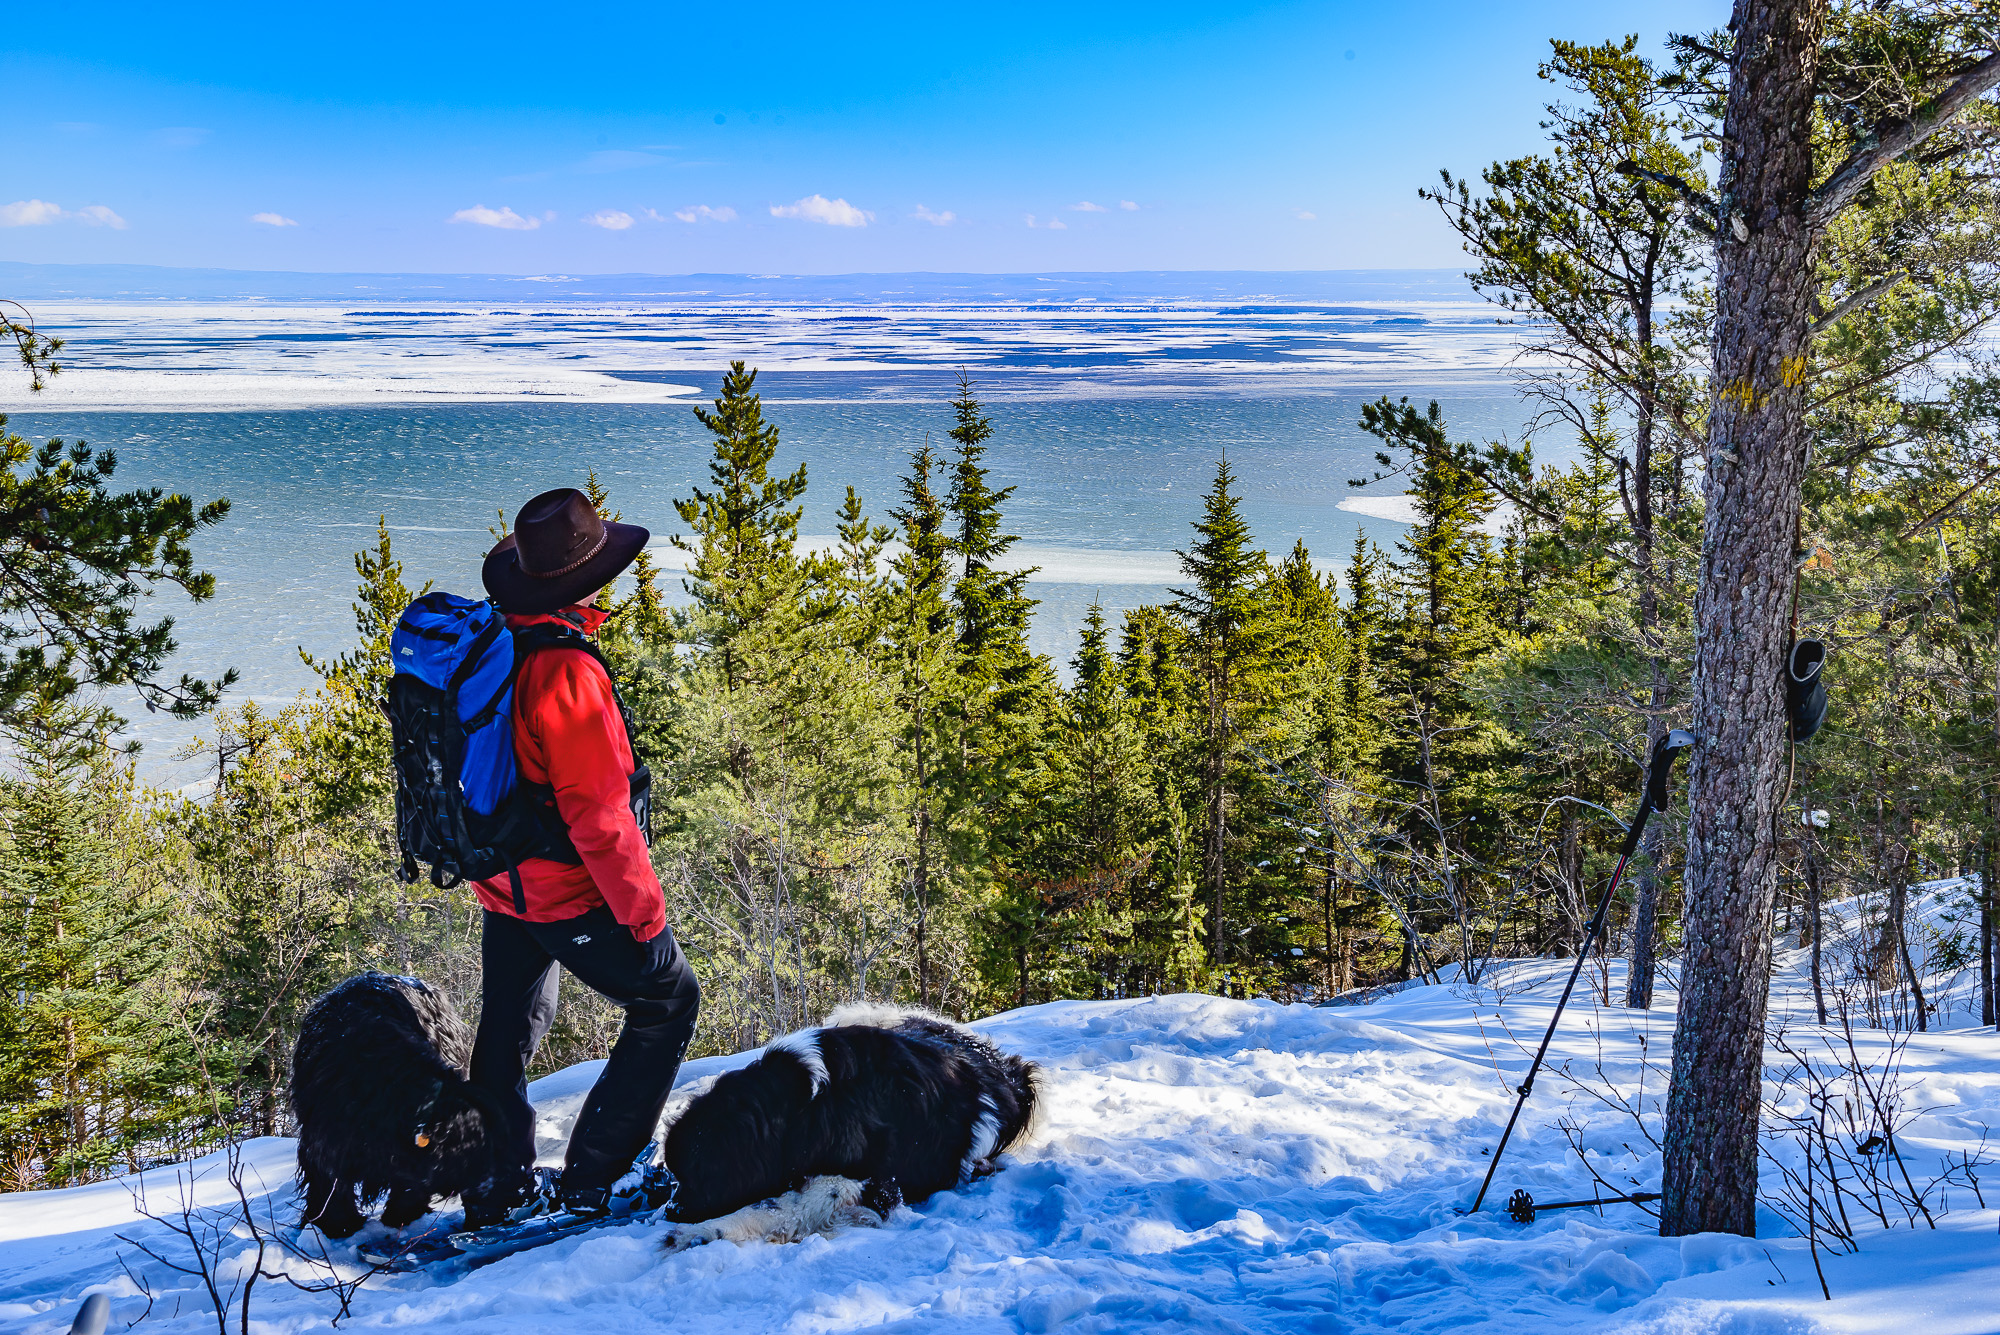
{"x": 462, "y": 804}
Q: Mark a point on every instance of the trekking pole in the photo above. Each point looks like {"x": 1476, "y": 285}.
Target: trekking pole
{"x": 1655, "y": 799}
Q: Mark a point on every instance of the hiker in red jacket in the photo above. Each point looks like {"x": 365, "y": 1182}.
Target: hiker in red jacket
{"x": 603, "y": 916}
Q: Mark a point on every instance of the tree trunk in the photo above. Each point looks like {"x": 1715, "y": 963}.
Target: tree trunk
{"x": 1329, "y": 909}
{"x": 1216, "y": 839}
{"x": 1645, "y": 912}
{"x": 1986, "y": 928}
{"x": 1892, "y": 949}
{"x": 1815, "y": 923}
{"x": 1756, "y": 443}
{"x": 1572, "y": 877}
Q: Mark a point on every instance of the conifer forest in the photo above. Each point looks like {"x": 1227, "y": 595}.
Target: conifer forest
{"x": 1277, "y": 783}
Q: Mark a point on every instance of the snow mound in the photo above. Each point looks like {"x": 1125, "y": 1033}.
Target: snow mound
{"x": 1206, "y": 1164}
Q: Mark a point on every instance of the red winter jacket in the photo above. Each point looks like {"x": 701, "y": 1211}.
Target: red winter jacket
{"x": 568, "y": 734}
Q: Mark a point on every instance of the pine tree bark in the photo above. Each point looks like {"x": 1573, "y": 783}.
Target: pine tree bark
{"x": 1756, "y": 443}
{"x": 1645, "y": 913}
{"x": 1986, "y": 861}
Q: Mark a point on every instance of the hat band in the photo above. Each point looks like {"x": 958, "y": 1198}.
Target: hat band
{"x": 603, "y": 536}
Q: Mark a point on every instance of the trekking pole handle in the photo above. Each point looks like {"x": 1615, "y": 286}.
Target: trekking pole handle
{"x": 1657, "y": 773}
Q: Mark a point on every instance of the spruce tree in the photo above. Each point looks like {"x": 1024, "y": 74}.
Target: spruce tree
{"x": 919, "y": 632}
{"x": 640, "y": 617}
{"x": 991, "y": 606}
{"x": 356, "y": 683}
{"x": 756, "y": 602}
{"x": 1080, "y": 873}
{"x": 746, "y": 580}
{"x": 1232, "y": 642}
{"x": 1449, "y": 763}
{"x": 1360, "y": 687}
{"x": 88, "y": 1071}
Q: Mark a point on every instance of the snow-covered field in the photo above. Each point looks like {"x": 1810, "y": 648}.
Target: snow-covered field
{"x": 1206, "y": 1165}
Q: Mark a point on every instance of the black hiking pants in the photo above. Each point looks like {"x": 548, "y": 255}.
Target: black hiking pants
{"x": 651, "y": 981}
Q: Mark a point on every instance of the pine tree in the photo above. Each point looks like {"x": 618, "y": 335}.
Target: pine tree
{"x": 991, "y": 607}
{"x": 1317, "y": 650}
{"x": 920, "y": 638}
{"x": 1797, "y": 152}
{"x": 747, "y": 580}
{"x": 640, "y": 617}
{"x": 356, "y": 683}
{"x": 276, "y": 910}
{"x": 1448, "y": 763}
{"x": 755, "y": 604}
{"x": 1360, "y": 691}
{"x": 74, "y": 561}
{"x": 1105, "y": 753}
{"x": 1232, "y": 641}
{"x": 88, "y": 1071}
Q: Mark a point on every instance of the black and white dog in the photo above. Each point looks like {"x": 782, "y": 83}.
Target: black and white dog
{"x": 900, "y": 1104}
{"x": 880, "y": 1106}
{"x": 383, "y": 1105}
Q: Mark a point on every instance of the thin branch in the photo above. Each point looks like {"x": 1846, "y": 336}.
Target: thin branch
{"x": 1934, "y": 515}
{"x": 1703, "y": 210}
{"x": 1891, "y": 139}
{"x": 1859, "y": 297}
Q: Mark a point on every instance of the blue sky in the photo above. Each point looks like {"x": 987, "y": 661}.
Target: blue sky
{"x": 792, "y": 138}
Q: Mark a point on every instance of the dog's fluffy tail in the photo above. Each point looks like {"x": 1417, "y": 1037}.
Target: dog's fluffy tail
{"x": 823, "y": 1205}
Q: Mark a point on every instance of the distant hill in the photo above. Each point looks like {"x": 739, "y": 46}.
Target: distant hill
{"x": 144, "y": 282}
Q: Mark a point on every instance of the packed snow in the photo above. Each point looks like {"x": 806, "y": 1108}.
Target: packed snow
{"x": 1205, "y": 1164}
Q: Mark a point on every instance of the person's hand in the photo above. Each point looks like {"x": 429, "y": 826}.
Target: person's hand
{"x": 658, "y": 952}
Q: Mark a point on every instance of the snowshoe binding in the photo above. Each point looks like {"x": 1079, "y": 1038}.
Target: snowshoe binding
{"x": 542, "y": 1214}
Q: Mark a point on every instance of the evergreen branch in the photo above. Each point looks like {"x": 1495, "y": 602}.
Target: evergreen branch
{"x": 1703, "y": 208}
{"x": 37, "y": 350}
{"x": 1942, "y": 510}
{"x": 1891, "y": 139}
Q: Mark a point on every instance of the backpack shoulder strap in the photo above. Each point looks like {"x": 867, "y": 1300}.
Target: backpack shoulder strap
{"x": 527, "y": 639}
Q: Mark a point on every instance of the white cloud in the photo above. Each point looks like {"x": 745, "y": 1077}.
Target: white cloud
{"x": 180, "y": 136}
{"x": 39, "y": 213}
{"x": 1058, "y": 225}
{"x": 1128, "y": 206}
{"x": 29, "y": 213}
{"x": 820, "y": 209}
{"x": 274, "y": 220}
{"x": 611, "y": 220}
{"x": 945, "y": 219}
{"x": 1085, "y": 206}
{"x": 500, "y": 217}
{"x": 695, "y": 213}
{"x": 1303, "y": 216}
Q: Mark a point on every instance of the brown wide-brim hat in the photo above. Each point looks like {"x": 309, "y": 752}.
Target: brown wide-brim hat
{"x": 561, "y": 551}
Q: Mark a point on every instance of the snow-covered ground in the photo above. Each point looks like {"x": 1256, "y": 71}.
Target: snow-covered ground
{"x": 1206, "y": 1165}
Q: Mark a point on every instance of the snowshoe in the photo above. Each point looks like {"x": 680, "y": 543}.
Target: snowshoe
{"x": 544, "y": 1215}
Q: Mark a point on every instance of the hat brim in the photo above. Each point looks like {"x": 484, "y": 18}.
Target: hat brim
{"x": 517, "y": 591}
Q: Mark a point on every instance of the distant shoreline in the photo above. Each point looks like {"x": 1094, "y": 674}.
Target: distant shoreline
{"x": 24, "y": 281}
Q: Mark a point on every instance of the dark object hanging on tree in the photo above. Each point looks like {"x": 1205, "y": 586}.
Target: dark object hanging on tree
{"x": 1805, "y": 688}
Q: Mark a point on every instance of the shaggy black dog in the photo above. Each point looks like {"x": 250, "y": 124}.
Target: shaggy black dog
{"x": 383, "y": 1106}
{"x": 908, "y": 1103}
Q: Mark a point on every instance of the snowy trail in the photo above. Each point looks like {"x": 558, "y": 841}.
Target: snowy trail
{"x": 1206, "y": 1165}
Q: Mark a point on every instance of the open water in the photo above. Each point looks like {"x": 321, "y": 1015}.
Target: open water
{"x": 316, "y": 417}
